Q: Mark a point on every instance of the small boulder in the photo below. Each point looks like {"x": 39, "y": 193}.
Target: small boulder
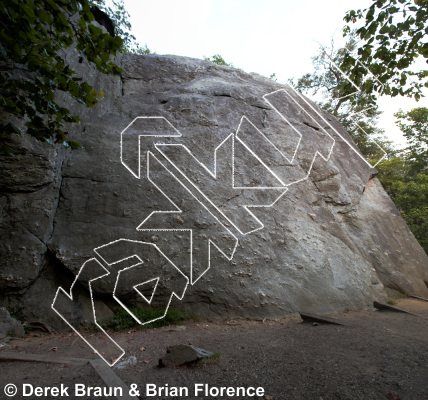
{"x": 9, "y": 326}
{"x": 183, "y": 354}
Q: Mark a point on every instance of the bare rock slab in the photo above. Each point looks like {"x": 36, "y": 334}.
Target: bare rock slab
{"x": 324, "y": 235}
{"x": 183, "y": 354}
{"x": 9, "y": 326}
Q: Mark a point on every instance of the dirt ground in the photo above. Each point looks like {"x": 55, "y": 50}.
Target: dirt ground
{"x": 374, "y": 355}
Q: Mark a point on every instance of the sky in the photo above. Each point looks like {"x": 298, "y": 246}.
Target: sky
{"x": 270, "y": 36}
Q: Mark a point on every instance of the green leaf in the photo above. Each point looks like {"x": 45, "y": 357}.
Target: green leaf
{"x": 34, "y": 34}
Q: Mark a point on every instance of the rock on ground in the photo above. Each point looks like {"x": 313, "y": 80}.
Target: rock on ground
{"x": 183, "y": 354}
{"x": 9, "y": 326}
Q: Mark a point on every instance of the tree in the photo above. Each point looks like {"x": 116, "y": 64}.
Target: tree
{"x": 218, "y": 59}
{"x": 405, "y": 177}
{"x": 123, "y": 27}
{"x": 411, "y": 198}
{"x": 392, "y": 170}
{"x": 414, "y": 125}
{"x": 395, "y": 34}
{"x": 357, "y": 113}
{"x": 34, "y": 36}
{"x": 403, "y": 174}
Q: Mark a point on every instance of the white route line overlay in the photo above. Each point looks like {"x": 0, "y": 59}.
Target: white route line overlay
{"x": 70, "y": 295}
{"x": 179, "y": 211}
{"x": 214, "y": 175}
{"x": 353, "y": 118}
{"x": 142, "y": 283}
{"x": 369, "y": 75}
{"x": 284, "y": 185}
{"x": 137, "y": 175}
{"x": 323, "y": 119}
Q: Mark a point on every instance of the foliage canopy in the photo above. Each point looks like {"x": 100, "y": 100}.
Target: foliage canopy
{"x": 357, "y": 113}
{"x": 404, "y": 174}
{"x": 414, "y": 125}
{"x": 395, "y": 35}
{"x": 123, "y": 27}
{"x": 34, "y": 36}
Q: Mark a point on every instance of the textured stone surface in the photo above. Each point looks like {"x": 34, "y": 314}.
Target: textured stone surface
{"x": 9, "y": 326}
{"x": 182, "y": 354}
{"x": 332, "y": 241}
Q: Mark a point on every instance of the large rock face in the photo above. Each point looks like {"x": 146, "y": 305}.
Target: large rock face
{"x": 321, "y": 242}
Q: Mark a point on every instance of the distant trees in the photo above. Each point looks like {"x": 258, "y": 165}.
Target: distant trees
{"x": 123, "y": 27}
{"x": 414, "y": 125}
{"x": 357, "y": 112}
{"x": 411, "y": 198}
{"x": 218, "y": 59}
{"x": 404, "y": 174}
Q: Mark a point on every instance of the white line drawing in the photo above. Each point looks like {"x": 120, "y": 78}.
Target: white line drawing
{"x": 152, "y": 158}
{"x": 133, "y": 152}
{"x": 368, "y": 75}
{"x": 328, "y": 124}
{"x": 71, "y": 297}
{"x": 157, "y": 279}
{"x": 149, "y": 301}
{"x": 227, "y": 144}
{"x": 134, "y": 164}
{"x": 284, "y": 186}
{"x": 94, "y": 261}
{"x": 242, "y": 141}
{"x": 354, "y": 121}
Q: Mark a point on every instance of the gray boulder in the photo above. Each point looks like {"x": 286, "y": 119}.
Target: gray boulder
{"x": 327, "y": 237}
{"x": 9, "y": 326}
{"x": 182, "y": 354}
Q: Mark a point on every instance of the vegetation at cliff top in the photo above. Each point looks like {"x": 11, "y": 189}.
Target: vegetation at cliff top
{"x": 393, "y": 35}
{"x": 390, "y": 36}
{"x": 34, "y": 36}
